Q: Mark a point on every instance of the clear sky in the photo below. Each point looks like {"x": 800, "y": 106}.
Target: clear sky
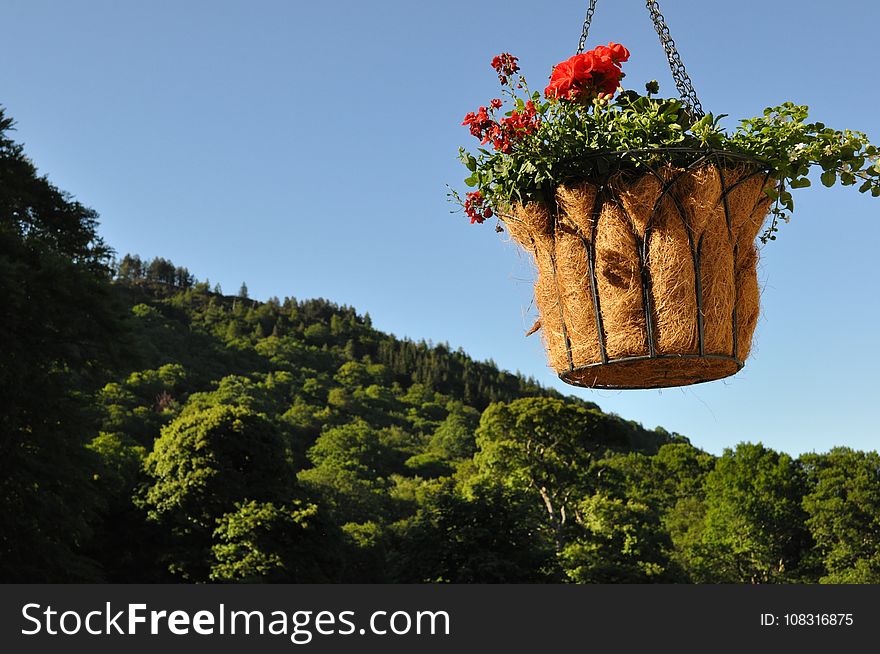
{"x": 305, "y": 148}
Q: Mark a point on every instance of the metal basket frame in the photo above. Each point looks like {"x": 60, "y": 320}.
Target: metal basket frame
{"x": 646, "y": 162}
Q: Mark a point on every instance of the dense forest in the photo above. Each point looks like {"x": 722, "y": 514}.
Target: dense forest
{"x": 154, "y": 429}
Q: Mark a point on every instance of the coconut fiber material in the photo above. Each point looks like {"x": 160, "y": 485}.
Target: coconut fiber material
{"x": 669, "y": 257}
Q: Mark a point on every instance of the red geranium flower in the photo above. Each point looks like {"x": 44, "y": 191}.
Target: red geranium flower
{"x": 618, "y": 52}
{"x": 572, "y": 77}
{"x": 478, "y": 122}
{"x": 582, "y": 77}
{"x": 505, "y": 133}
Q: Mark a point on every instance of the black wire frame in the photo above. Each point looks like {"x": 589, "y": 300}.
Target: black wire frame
{"x": 649, "y": 162}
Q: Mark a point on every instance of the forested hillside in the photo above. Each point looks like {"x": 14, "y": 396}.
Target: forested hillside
{"x": 155, "y": 429}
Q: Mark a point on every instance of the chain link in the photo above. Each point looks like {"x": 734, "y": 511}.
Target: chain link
{"x": 587, "y": 21}
{"x": 679, "y": 74}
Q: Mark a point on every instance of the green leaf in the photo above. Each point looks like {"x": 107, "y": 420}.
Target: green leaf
{"x": 803, "y": 182}
{"x": 472, "y": 180}
{"x": 829, "y": 177}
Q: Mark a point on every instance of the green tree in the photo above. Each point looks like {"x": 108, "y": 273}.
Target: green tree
{"x": 358, "y": 447}
{"x": 351, "y": 469}
{"x": 669, "y": 483}
{"x": 754, "y": 525}
{"x": 484, "y": 536}
{"x": 125, "y": 544}
{"x": 620, "y": 541}
{"x": 265, "y": 542}
{"x": 201, "y": 466}
{"x": 843, "y": 506}
{"x": 454, "y": 438}
{"x": 58, "y": 333}
{"x": 130, "y": 269}
{"x": 162, "y": 271}
{"x": 545, "y": 446}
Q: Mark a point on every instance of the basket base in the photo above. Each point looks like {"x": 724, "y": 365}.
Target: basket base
{"x": 660, "y": 371}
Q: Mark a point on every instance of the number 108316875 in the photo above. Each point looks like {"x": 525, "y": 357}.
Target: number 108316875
{"x": 807, "y": 620}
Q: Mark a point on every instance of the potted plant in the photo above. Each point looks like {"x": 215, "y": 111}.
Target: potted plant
{"x": 642, "y": 213}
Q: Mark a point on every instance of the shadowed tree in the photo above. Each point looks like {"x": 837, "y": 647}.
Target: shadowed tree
{"x": 57, "y": 332}
{"x": 545, "y": 446}
{"x": 485, "y": 536}
{"x": 268, "y": 542}
{"x": 202, "y": 466}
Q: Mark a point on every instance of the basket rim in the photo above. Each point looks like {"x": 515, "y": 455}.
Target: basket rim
{"x": 707, "y": 153}
{"x": 567, "y": 374}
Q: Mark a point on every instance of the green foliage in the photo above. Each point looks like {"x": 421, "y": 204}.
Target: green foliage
{"x": 844, "y": 513}
{"x": 621, "y": 541}
{"x": 677, "y": 471}
{"x": 486, "y": 536}
{"x": 121, "y": 462}
{"x": 133, "y": 270}
{"x": 353, "y": 466}
{"x": 276, "y": 459}
{"x": 577, "y": 141}
{"x": 145, "y": 401}
{"x": 365, "y": 552}
{"x": 754, "y": 523}
{"x": 554, "y": 154}
{"x": 454, "y": 437}
{"x": 126, "y": 545}
{"x": 545, "y": 446}
{"x": 783, "y": 139}
{"x": 262, "y": 542}
{"x": 204, "y": 462}
{"x": 429, "y": 465}
{"x": 59, "y": 333}
{"x": 356, "y": 447}
{"x": 201, "y": 466}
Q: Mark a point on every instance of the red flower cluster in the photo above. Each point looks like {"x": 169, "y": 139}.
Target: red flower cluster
{"x": 584, "y": 76}
{"x": 473, "y": 207}
{"x": 504, "y": 133}
{"x": 479, "y": 123}
{"x": 505, "y": 65}
{"x": 515, "y": 126}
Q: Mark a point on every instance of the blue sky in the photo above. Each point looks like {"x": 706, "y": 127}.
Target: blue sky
{"x": 305, "y": 148}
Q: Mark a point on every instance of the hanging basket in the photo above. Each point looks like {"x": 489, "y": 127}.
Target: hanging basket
{"x": 646, "y": 274}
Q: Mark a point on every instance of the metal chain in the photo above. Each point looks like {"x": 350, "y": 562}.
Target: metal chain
{"x": 587, "y": 22}
{"x": 679, "y": 74}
